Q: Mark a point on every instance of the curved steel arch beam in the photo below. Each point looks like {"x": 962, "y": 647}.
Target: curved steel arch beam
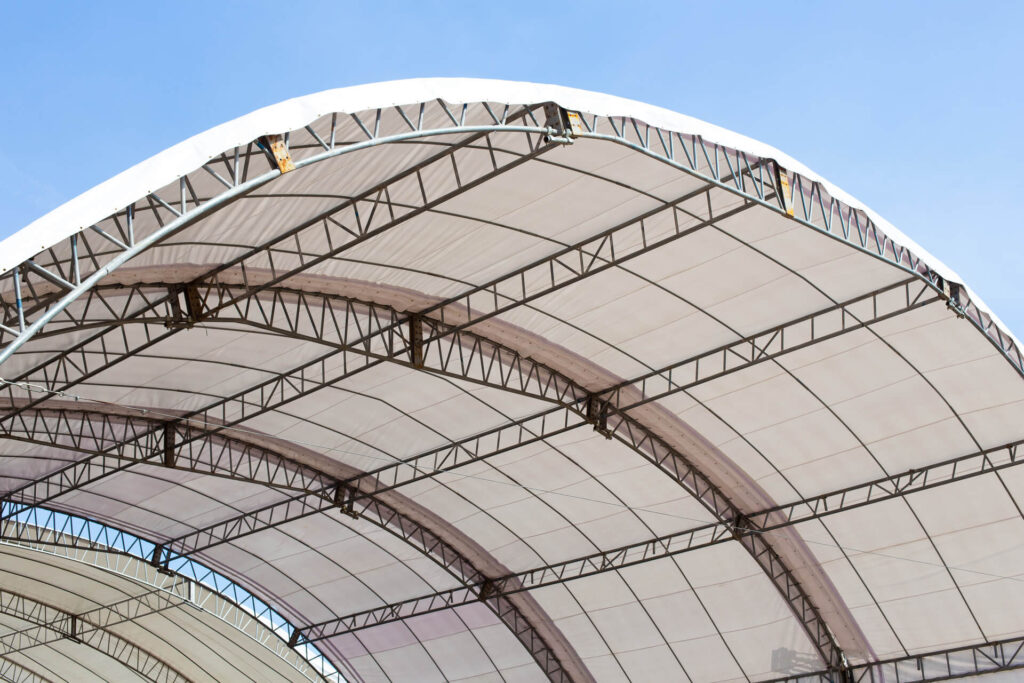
{"x": 117, "y": 551}
{"x": 450, "y": 350}
{"x": 273, "y": 463}
{"x": 54, "y": 624}
{"x": 66, "y": 272}
{"x": 745, "y": 178}
{"x": 803, "y": 200}
{"x": 13, "y": 672}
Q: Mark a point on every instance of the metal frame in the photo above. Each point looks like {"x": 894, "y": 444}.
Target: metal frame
{"x": 15, "y": 672}
{"x": 133, "y": 237}
{"x": 670, "y": 545}
{"x": 938, "y": 665}
{"x": 200, "y": 450}
{"x": 755, "y": 181}
{"x": 53, "y": 624}
{"x": 458, "y": 353}
{"x": 365, "y": 333}
{"x": 122, "y": 553}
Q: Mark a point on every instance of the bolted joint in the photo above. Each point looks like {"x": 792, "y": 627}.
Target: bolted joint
{"x": 170, "y": 453}
{"x": 782, "y": 188}
{"x": 159, "y": 559}
{"x": 951, "y": 291}
{"x": 294, "y": 638}
{"x": 73, "y": 632}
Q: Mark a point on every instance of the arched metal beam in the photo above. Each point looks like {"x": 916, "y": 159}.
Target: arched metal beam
{"x": 186, "y": 581}
{"x": 746, "y": 178}
{"x": 367, "y": 333}
{"x": 54, "y": 624}
{"x": 381, "y": 333}
{"x": 670, "y": 545}
{"x": 14, "y": 672}
{"x": 197, "y": 449}
{"x": 130, "y": 236}
{"x": 756, "y": 180}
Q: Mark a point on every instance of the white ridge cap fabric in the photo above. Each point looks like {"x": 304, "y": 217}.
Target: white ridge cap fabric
{"x": 163, "y": 168}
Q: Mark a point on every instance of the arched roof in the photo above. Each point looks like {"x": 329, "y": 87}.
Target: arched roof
{"x": 486, "y": 380}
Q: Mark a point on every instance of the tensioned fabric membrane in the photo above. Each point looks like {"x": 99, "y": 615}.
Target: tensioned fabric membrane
{"x": 477, "y": 380}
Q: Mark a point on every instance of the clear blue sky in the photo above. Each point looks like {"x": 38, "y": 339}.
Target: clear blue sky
{"x": 915, "y": 108}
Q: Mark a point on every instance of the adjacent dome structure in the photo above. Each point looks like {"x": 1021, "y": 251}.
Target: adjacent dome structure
{"x": 485, "y": 381}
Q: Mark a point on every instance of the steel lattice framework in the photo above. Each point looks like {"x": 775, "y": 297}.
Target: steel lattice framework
{"x": 200, "y": 450}
{"x": 14, "y": 672}
{"x": 121, "y": 553}
{"x": 457, "y": 352}
{"x": 91, "y": 628}
{"x": 65, "y": 290}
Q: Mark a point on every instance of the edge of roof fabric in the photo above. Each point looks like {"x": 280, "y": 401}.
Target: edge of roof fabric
{"x": 163, "y": 168}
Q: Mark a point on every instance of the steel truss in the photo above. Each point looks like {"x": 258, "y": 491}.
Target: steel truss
{"x": 939, "y": 665}
{"x": 760, "y": 181}
{"x": 462, "y": 354}
{"x": 755, "y": 182}
{"x": 752, "y": 526}
{"x": 15, "y": 672}
{"x": 343, "y": 227}
{"x": 216, "y": 455}
{"x": 91, "y": 628}
{"x": 122, "y": 553}
{"x": 475, "y": 359}
{"x": 365, "y": 333}
{"x": 788, "y": 193}
{"x": 76, "y": 265}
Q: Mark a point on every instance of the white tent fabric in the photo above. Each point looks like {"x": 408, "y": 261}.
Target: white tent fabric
{"x": 510, "y": 382}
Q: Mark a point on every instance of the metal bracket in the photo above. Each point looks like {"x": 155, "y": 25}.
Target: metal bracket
{"x": 952, "y": 292}
{"x": 416, "y": 340}
{"x": 72, "y": 634}
{"x": 782, "y": 185}
{"x": 597, "y": 415}
{"x": 160, "y": 558}
{"x": 740, "y": 527}
{"x": 487, "y": 589}
{"x": 277, "y": 150}
{"x": 192, "y": 313}
{"x": 344, "y": 499}
{"x": 170, "y": 457}
{"x": 558, "y": 119}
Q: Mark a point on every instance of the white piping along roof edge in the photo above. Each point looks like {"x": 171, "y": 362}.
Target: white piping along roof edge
{"x": 165, "y": 167}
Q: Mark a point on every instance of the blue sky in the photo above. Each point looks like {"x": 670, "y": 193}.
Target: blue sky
{"x": 915, "y": 108}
